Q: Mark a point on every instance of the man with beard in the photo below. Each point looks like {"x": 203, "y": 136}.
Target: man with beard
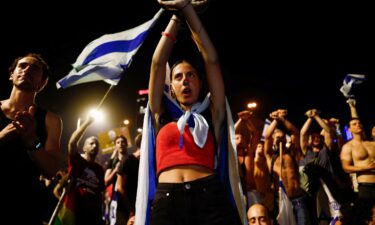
{"x": 29, "y": 139}
{"x": 87, "y": 178}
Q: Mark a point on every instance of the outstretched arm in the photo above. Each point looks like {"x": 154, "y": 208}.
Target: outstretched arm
{"x": 304, "y": 138}
{"x": 353, "y": 110}
{"x": 212, "y": 65}
{"x": 159, "y": 66}
{"x": 77, "y": 135}
{"x": 268, "y": 140}
{"x": 328, "y": 131}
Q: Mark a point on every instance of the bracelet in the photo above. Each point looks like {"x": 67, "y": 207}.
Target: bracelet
{"x": 170, "y": 36}
{"x": 182, "y": 8}
{"x": 37, "y": 145}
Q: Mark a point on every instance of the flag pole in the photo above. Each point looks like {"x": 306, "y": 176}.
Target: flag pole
{"x": 59, "y": 204}
{"x": 104, "y": 97}
{"x": 281, "y": 158}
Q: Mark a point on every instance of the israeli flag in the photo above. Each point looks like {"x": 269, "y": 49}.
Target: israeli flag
{"x": 108, "y": 56}
{"x": 349, "y": 80}
{"x": 266, "y": 125}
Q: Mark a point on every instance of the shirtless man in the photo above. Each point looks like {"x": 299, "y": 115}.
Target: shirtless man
{"x": 358, "y": 156}
{"x": 274, "y": 138}
{"x": 247, "y": 137}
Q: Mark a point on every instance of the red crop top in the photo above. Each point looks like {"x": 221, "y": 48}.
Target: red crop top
{"x": 168, "y": 153}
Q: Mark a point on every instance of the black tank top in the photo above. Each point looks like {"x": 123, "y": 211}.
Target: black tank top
{"x": 20, "y": 176}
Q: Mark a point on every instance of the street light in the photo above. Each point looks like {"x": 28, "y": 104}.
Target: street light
{"x": 98, "y": 115}
{"x": 252, "y": 105}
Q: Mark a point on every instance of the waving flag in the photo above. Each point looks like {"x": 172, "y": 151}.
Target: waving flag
{"x": 349, "y": 80}
{"x": 108, "y": 56}
{"x": 64, "y": 211}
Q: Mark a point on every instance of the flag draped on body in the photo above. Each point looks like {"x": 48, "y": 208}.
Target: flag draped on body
{"x": 286, "y": 215}
{"x": 348, "y": 82}
{"x": 226, "y": 165}
{"x": 108, "y": 56}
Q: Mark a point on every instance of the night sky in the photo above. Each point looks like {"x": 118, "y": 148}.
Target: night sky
{"x": 282, "y": 56}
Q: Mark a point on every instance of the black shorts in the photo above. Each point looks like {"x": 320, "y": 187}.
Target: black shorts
{"x": 366, "y": 190}
{"x": 200, "y": 202}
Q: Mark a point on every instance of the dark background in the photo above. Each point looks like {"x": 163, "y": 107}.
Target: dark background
{"x": 282, "y": 55}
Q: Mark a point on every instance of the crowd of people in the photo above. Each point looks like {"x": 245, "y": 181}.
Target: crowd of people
{"x": 198, "y": 170}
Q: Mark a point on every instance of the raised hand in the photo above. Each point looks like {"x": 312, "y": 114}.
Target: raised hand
{"x": 200, "y": 5}
{"x": 274, "y": 115}
{"x": 174, "y": 4}
{"x": 245, "y": 115}
{"x": 351, "y": 102}
{"x": 25, "y": 125}
{"x": 8, "y": 133}
{"x": 282, "y": 112}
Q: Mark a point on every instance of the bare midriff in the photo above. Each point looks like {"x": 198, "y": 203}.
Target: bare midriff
{"x": 183, "y": 173}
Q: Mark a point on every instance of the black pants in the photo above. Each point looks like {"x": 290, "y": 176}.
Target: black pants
{"x": 366, "y": 190}
{"x": 200, "y": 202}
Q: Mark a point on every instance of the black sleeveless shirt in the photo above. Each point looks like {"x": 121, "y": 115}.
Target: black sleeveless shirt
{"x": 20, "y": 176}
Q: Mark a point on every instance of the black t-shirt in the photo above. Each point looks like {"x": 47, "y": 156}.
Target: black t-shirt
{"x": 129, "y": 168}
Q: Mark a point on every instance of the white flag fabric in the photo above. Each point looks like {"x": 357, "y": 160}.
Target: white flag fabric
{"x": 108, "y": 56}
{"x": 349, "y": 80}
{"x": 266, "y": 125}
{"x": 286, "y": 215}
{"x": 328, "y": 209}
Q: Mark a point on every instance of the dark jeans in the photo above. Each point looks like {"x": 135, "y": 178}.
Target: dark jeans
{"x": 366, "y": 190}
{"x": 199, "y": 202}
{"x": 300, "y": 210}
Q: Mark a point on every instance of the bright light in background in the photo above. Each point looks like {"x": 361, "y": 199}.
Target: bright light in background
{"x": 252, "y": 105}
{"x": 97, "y": 114}
{"x": 139, "y": 130}
{"x": 126, "y": 122}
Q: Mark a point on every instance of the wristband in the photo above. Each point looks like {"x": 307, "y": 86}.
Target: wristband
{"x": 37, "y": 145}
{"x": 169, "y": 36}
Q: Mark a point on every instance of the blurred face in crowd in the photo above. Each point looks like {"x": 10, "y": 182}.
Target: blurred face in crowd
{"x": 121, "y": 145}
{"x": 258, "y": 215}
{"x": 316, "y": 140}
{"x": 279, "y": 137}
{"x": 91, "y": 146}
{"x": 355, "y": 126}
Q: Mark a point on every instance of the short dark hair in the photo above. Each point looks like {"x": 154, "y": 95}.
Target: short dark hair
{"x": 38, "y": 57}
{"x": 353, "y": 118}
